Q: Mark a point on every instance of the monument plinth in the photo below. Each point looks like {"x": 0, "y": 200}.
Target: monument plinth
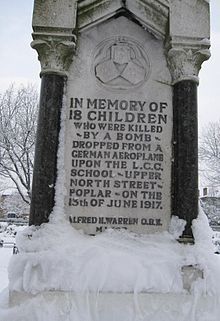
{"x": 130, "y": 73}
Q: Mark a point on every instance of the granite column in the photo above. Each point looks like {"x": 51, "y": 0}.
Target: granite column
{"x": 185, "y": 62}
{"x": 185, "y": 149}
{"x": 45, "y": 164}
{"x": 55, "y": 52}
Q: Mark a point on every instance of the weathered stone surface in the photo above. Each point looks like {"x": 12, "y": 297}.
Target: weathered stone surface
{"x": 185, "y": 62}
{"x": 190, "y": 19}
{"x": 119, "y": 130}
{"x": 153, "y": 15}
{"x": 55, "y": 55}
{"x": 54, "y": 14}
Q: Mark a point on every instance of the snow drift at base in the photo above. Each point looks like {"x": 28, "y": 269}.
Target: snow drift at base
{"x": 67, "y": 275}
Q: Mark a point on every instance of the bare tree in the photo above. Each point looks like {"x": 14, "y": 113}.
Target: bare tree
{"x": 18, "y": 117}
{"x": 209, "y": 153}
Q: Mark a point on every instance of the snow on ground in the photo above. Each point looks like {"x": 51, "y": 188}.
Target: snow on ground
{"x": 114, "y": 261}
{"x": 55, "y": 257}
{"x": 5, "y": 255}
{"x": 7, "y": 234}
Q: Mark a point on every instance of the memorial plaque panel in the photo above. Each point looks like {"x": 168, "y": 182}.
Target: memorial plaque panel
{"x": 118, "y": 130}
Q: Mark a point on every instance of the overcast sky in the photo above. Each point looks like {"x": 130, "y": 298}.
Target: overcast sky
{"x": 19, "y": 64}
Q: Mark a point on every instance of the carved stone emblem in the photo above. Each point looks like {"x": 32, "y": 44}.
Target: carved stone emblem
{"x": 121, "y": 63}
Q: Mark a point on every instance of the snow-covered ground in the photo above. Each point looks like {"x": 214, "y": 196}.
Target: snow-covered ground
{"x": 5, "y": 255}
{"x": 7, "y": 234}
{"x": 78, "y": 269}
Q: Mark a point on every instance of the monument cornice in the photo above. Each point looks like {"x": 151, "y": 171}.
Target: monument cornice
{"x": 151, "y": 14}
{"x": 185, "y": 57}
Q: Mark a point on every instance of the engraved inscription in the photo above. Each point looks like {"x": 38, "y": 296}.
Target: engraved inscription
{"x": 118, "y": 131}
{"x": 117, "y": 159}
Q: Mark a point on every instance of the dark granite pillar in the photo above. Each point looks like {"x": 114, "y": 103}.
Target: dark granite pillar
{"x": 45, "y": 163}
{"x": 185, "y": 167}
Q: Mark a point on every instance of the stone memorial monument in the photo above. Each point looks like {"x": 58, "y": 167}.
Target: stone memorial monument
{"x": 116, "y": 148}
{"x": 125, "y": 75}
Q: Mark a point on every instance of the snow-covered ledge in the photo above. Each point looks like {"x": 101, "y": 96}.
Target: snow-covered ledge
{"x": 50, "y": 306}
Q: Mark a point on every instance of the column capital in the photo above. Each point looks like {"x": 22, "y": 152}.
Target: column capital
{"x": 185, "y": 59}
{"x": 54, "y": 23}
{"x": 55, "y": 52}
